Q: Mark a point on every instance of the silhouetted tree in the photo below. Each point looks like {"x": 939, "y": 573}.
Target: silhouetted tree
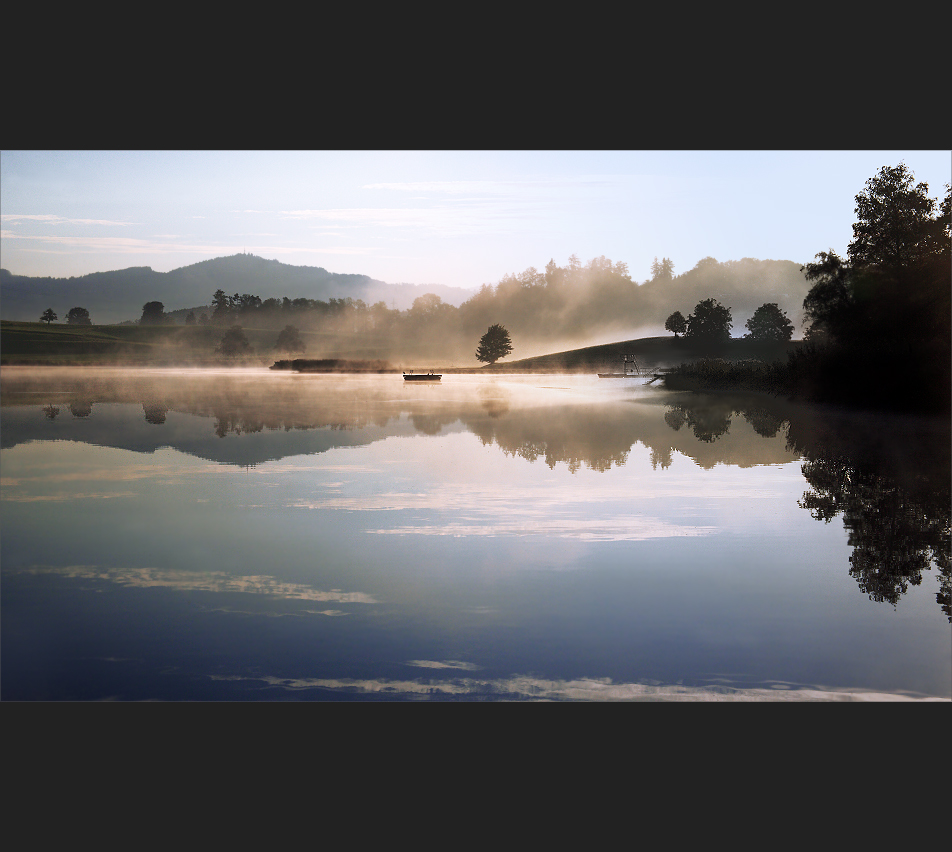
{"x": 233, "y": 343}
{"x": 153, "y": 313}
{"x": 289, "y": 340}
{"x": 190, "y": 318}
{"x": 78, "y": 316}
{"x": 769, "y": 323}
{"x": 895, "y": 225}
{"x": 829, "y": 306}
{"x": 710, "y": 322}
{"x": 885, "y": 313}
{"x": 494, "y": 344}
{"x": 676, "y": 323}
{"x": 48, "y": 316}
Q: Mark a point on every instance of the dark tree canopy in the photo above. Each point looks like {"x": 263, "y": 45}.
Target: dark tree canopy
{"x": 884, "y": 313}
{"x": 234, "y": 343}
{"x": 828, "y": 307}
{"x": 676, "y": 323}
{"x": 895, "y": 281}
{"x": 769, "y": 323}
{"x": 494, "y": 344}
{"x": 48, "y": 316}
{"x": 895, "y": 222}
{"x": 710, "y": 322}
{"x": 153, "y": 313}
{"x": 78, "y": 316}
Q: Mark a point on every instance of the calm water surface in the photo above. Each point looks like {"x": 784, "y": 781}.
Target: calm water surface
{"x": 253, "y": 535}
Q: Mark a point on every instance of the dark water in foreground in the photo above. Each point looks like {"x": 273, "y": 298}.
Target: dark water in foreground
{"x": 248, "y": 535}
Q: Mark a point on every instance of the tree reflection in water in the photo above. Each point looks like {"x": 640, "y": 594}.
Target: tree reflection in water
{"x": 888, "y": 476}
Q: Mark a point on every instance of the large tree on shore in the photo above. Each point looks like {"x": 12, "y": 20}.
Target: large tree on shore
{"x": 769, "y": 323}
{"x": 494, "y": 344}
{"x": 885, "y": 311}
{"x": 895, "y": 282}
{"x": 895, "y": 228}
{"x": 710, "y": 322}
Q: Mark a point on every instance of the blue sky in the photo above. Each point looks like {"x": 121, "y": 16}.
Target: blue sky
{"x": 462, "y": 218}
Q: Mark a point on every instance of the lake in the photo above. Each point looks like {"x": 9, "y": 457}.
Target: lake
{"x": 263, "y": 536}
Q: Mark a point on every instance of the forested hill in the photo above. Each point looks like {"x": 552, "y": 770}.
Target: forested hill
{"x": 560, "y": 308}
{"x": 112, "y": 297}
{"x": 575, "y": 304}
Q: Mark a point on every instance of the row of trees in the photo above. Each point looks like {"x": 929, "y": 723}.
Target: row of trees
{"x": 712, "y": 322}
{"x": 75, "y": 316}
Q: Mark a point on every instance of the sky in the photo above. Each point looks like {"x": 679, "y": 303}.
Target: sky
{"x": 459, "y": 218}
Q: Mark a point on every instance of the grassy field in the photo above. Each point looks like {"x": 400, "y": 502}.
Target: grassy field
{"x": 61, "y": 344}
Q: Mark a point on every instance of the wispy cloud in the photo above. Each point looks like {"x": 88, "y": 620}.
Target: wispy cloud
{"x": 530, "y": 688}
{"x": 53, "y": 219}
{"x": 211, "y": 581}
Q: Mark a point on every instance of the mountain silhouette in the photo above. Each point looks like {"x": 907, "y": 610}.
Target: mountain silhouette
{"x": 118, "y": 296}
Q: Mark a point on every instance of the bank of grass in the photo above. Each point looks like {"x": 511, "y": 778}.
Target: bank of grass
{"x": 885, "y": 377}
{"x": 749, "y": 374}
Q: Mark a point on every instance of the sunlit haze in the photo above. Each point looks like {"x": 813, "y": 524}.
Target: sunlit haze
{"x": 457, "y": 218}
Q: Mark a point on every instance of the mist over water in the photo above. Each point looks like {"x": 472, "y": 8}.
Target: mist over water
{"x": 282, "y": 536}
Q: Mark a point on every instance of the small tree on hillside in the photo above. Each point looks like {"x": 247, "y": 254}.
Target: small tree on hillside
{"x": 78, "y": 316}
{"x": 494, "y": 344}
{"x": 48, "y": 316}
{"x": 769, "y": 323}
{"x": 676, "y": 323}
{"x": 234, "y": 343}
{"x": 710, "y": 322}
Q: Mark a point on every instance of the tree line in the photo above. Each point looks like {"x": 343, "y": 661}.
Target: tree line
{"x": 712, "y": 322}
{"x": 878, "y": 323}
{"x": 75, "y": 316}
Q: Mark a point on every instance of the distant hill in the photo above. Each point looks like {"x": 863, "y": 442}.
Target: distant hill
{"x": 117, "y": 296}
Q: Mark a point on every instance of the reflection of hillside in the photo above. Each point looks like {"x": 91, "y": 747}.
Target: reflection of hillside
{"x": 268, "y": 412}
